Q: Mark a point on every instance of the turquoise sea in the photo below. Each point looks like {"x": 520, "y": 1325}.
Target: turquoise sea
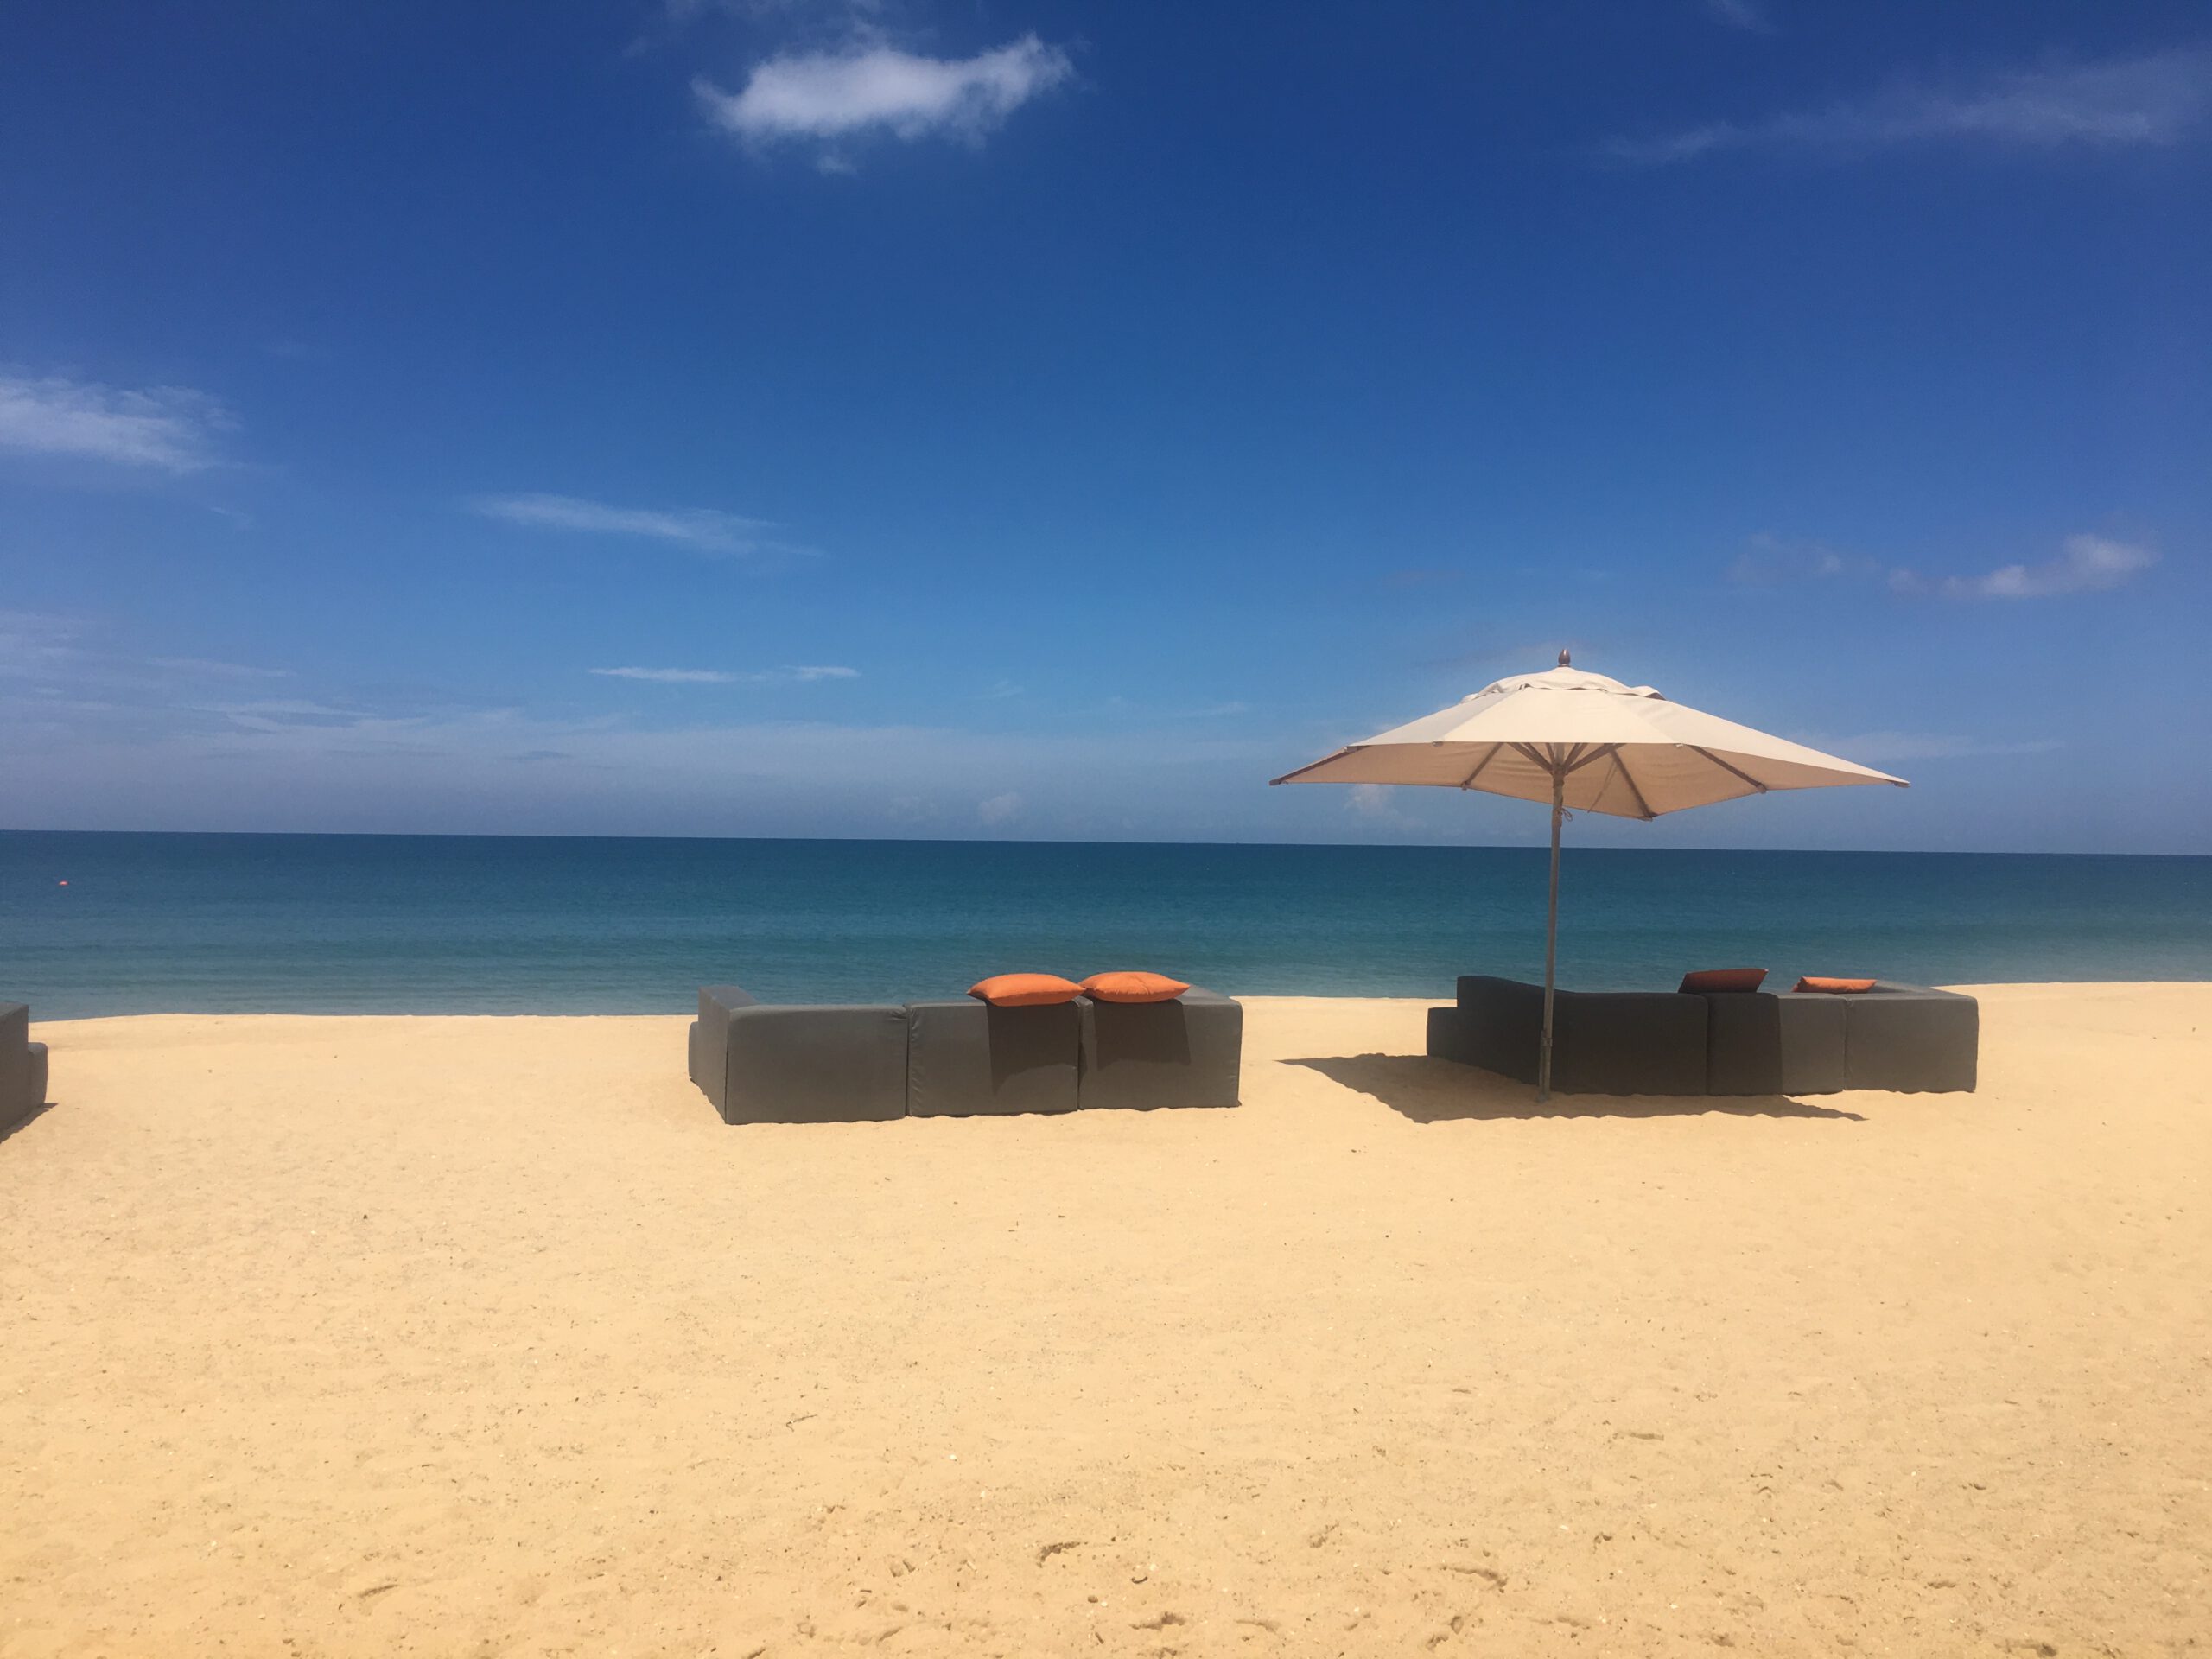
{"x": 433, "y": 924}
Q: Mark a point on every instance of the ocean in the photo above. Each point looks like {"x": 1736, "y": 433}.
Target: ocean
{"x": 104, "y": 923}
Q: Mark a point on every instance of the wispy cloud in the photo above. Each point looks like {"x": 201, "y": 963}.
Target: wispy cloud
{"x": 169, "y": 428}
{"x": 1376, "y": 804}
{"x": 2085, "y": 565}
{"x": 701, "y": 529}
{"x": 1871, "y": 748}
{"x": 806, "y": 675}
{"x": 2154, "y": 99}
{"x": 32, "y": 642}
{"x": 1745, "y": 15}
{"x": 999, "y": 809}
{"x": 873, "y": 88}
{"x": 1215, "y": 711}
{"x": 206, "y": 668}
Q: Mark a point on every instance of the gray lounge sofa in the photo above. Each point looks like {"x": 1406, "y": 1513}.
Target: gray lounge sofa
{"x": 1901, "y": 1038}
{"x": 767, "y": 1063}
{"x": 23, "y": 1066}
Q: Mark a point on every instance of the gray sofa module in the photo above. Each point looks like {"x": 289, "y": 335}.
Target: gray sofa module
{"x": 763, "y": 1063}
{"x": 965, "y": 1057}
{"x": 1908, "y": 1038}
{"x": 23, "y": 1066}
{"x": 1898, "y": 1038}
{"x": 1187, "y": 1052}
{"x": 1602, "y": 1042}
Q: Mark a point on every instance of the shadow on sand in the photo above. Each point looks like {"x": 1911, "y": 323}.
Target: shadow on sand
{"x": 10, "y": 1130}
{"x": 1443, "y": 1092}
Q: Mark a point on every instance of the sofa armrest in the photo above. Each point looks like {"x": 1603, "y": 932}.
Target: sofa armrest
{"x": 814, "y": 1065}
{"x": 709, "y": 1038}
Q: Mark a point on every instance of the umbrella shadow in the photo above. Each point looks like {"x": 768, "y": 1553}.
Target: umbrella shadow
{"x": 1428, "y": 1090}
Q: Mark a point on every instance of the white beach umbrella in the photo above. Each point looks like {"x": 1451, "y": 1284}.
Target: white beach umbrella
{"x": 1585, "y": 744}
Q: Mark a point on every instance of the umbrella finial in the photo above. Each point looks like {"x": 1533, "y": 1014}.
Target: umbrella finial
{"x": 1563, "y": 659}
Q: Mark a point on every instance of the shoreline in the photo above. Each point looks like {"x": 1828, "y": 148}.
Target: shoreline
{"x": 1443, "y": 995}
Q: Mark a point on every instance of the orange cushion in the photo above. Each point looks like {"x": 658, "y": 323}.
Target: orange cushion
{"x": 1811, "y": 982}
{"x": 1723, "y": 979}
{"x": 1024, "y": 991}
{"x": 1133, "y": 988}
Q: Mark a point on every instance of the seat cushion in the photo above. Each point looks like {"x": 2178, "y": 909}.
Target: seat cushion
{"x": 1025, "y": 990}
{"x": 1133, "y": 988}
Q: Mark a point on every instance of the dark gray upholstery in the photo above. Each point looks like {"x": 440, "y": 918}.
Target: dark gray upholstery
{"x": 1900, "y": 1038}
{"x": 1760, "y": 1043}
{"x": 1602, "y": 1042}
{"x": 23, "y": 1066}
{"x": 793, "y": 1065}
{"x": 1187, "y": 1052}
{"x": 1910, "y": 1038}
{"x": 759, "y": 1062}
{"x": 965, "y": 1057}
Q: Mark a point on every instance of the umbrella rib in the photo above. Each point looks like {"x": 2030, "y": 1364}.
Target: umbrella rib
{"x": 1757, "y": 786}
{"x": 1313, "y": 766}
{"x": 1468, "y": 782}
{"x": 1620, "y": 765}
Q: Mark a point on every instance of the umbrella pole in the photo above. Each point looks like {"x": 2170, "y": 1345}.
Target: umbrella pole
{"x": 1551, "y": 939}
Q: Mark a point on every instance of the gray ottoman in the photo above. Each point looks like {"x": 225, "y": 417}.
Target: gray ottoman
{"x": 760, "y": 1063}
{"x": 965, "y": 1057}
{"x": 1144, "y": 1055}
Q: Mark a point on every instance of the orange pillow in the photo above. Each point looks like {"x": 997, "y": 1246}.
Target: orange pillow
{"x": 1723, "y": 979}
{"x": 1810, "y": 982}
{"x": 1024, "y": 991}
{"x": 1133, "y": 988}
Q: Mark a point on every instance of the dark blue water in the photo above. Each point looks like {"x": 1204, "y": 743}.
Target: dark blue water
{"x": 388, "y": 924}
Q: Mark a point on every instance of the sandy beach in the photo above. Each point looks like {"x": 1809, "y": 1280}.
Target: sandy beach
{"x": 484, "y": 1336}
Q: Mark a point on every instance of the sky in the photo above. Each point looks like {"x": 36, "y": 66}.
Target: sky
{"x": 1043, "y": 421}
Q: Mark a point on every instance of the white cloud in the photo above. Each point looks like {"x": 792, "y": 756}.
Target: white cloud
{"x": 998, "y": 808}
{"x": 168, "y": 427}
{"x": 2155, "y": 98}
{"x": 871, "y": 88}
{"x": 2086, "y": 564}
{"x": 670, "y": 676}
{"x": 2089, "y": 564}
{"x": 720, "y": 677}
{"x": 701, "y": 529}
{"x": 1740, "y": 14}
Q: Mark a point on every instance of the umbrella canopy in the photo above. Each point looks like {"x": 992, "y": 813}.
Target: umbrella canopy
{"x": 1622, "y": 749}
{"x": 1585, "y": 743}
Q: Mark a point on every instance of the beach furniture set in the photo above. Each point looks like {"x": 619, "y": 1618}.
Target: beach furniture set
{"x": 23, "y": 1066}
{"x": 788, "y": 1062}
{"x": 1901, "y": 1038}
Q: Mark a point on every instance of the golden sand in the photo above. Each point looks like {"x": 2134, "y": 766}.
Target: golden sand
{"x": 484, "y": 1336}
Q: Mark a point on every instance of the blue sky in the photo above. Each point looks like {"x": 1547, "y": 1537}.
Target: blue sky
{"x": 1035, "y": 420}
